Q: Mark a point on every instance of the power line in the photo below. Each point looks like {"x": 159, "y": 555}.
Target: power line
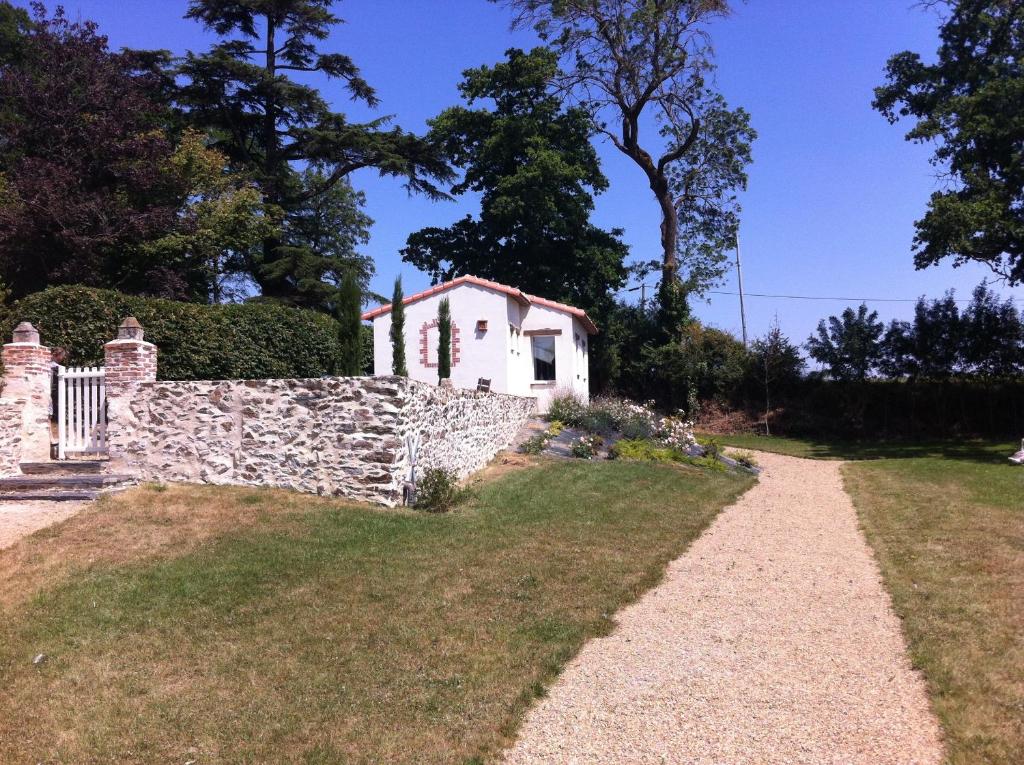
{"x": 847, "y": 299}
{"x": 824, "y": 297}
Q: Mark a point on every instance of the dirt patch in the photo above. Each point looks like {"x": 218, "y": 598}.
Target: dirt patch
{"x": 19, "y": 519}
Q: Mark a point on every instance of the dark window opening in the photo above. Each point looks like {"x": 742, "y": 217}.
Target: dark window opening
{"x": 543, "y": 357}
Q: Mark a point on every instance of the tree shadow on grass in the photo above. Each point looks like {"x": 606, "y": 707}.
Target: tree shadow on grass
{"x": 966, "y": 449}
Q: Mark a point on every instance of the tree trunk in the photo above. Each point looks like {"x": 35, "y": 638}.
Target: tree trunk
{"x": 669, "y": 228}
{"x": 270, "y": 148}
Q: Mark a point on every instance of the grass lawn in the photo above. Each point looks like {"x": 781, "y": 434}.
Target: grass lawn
{"x": 949, "y": 535}
{"x": 237, "y": 625}
{"x": 946, "y": 521}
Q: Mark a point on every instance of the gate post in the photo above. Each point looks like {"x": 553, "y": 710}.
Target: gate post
{"x": 128, "y": 359}
{"x": 28, "y": 373}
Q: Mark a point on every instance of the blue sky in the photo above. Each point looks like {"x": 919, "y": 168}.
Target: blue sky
{"x": 834, "y": 189}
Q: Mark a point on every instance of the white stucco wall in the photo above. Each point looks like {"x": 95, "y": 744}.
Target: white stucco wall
{"x": 494, "y": 353}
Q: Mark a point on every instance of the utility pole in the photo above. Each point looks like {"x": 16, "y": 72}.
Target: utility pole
{"x": 643, "y": 294}
{"x": 739, "y": 276}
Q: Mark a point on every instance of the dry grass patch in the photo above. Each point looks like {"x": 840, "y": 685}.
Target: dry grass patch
{"x": 293, "y": 629}
{"x": 147, "y": 522}
{"x": 949, "y": 535}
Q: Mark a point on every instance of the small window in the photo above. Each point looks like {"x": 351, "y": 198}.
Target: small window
{"x": 543, "y": 357}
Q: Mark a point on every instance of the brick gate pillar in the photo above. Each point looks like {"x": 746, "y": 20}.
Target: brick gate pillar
{"x": 27, "y": 399}
{"x": 128, "y": 359}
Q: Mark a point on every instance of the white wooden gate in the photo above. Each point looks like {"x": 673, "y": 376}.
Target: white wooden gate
{"x": 81, "y": 411}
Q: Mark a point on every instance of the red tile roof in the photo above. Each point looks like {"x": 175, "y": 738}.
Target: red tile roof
{"x": 518, "y": 294}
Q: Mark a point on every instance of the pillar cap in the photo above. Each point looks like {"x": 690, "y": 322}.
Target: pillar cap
{"x": 130, "y": 329}
{"x": 26, "y": 333}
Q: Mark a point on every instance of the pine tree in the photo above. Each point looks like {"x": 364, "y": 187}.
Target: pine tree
{"x": 350, "y": 301}
{"x": 444, "y": 340}
{"x": 398, "y": 366}
{"x": 268, "y": 123}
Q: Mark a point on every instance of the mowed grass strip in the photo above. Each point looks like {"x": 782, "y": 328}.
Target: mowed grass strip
{"x": 949, "y": 536}
{"x": 298, "y": 629}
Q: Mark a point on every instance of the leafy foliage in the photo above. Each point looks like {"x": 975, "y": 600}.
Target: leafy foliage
{"x": 566, "y": 407}
{"x": 586, "y": 447}
{"x": 83, "y": 163}
{"x": 968, "y": 104}
{"x": 194, "y": 342}
{"x": 986, "y": 339}
{"x": 437, "y": 490}
{"x": 531, "y": 162}
{"x": 221, "y": 220}
{"x": 15, "y": 25}
{"x": 848, "y": 345}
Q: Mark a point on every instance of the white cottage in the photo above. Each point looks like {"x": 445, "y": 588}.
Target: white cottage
{"x": 523, "y": 344}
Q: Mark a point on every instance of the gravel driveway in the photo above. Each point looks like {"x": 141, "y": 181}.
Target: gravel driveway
{"x": 19, "y": 519}
{"x": 771, "y": 640}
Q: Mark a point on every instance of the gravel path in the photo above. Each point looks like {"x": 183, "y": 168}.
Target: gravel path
{"x": 770, "y": 641}
{"x": 19, "y": 519}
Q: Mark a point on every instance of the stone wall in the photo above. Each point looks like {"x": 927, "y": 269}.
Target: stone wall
{"x": 333, "y": 436}
{"x": 461, "y": 430}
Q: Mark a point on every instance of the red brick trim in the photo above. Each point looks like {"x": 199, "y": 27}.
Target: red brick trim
{"x": 425, "y": 344}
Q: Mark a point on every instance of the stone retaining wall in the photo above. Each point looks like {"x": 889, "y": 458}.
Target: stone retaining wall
{"x": 333, "y": 436}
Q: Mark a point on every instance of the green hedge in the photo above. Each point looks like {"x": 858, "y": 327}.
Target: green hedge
{"x": 196, "y": 342}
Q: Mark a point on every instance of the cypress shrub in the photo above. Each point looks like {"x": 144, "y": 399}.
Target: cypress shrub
{"x": 196, "y": 342}
{"x": 444, "y": 340}
{"x": 397, "y": 332}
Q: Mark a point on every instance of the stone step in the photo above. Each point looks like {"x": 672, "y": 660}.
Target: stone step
{"x": 47, "y": 496}
{"x": 61, "y": 482}
{"x": 63, "y": 467}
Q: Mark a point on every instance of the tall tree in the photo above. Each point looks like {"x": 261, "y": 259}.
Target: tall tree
{"x": 993, "y": 332}
{"x": 444, "y": 340}
{"x": 243, "y": 91}
{"x": 348, "y": 307}
{"x": 969, "y": 104}
{"x": 928, "y": 347}
{"x": 83, "y": 163}
{"x": 532, "y": 164}
{"x": 634, "y": 63}
{"x": 397, "y": 331}
{"x": 848, "y": 346}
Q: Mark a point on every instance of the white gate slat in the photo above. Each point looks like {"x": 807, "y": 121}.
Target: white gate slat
{"x": 62, "y": 410}
{"x": 80, "y": 405}
{"x": 81, "y": 410}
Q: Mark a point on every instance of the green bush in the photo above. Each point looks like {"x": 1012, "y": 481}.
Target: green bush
{"x": 651, "y": 451}
{"x": 643, "y": 449}
{"x": 586, "y": 447}
{"x": 196, "y": 342}
{"x": 535, "y": 444}
{"x": 566, "y": 407}
{"x": 437, "y": 490}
